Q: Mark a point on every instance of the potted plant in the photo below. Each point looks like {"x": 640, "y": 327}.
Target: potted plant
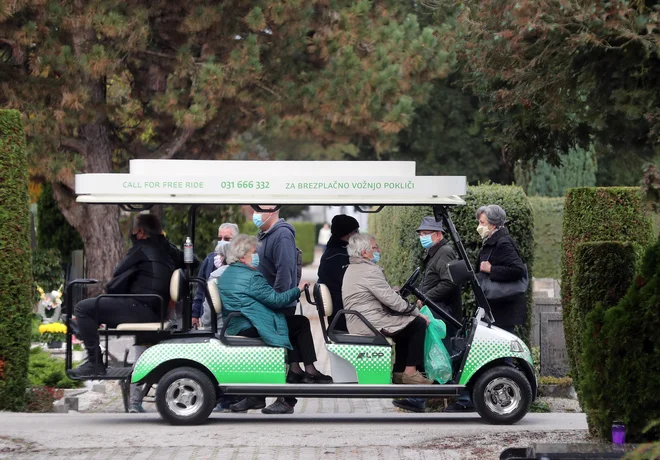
{"x": 53, "y": 334}
{"x": 50, "y": 301}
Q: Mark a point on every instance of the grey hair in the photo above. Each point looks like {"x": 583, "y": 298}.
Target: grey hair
{"x": 358, "y": 243}
{"x": 495, "y": 215}
{"x": 231, "y": 226}
{"x": 240, "y": 246}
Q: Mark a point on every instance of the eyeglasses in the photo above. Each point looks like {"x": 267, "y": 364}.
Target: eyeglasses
{"x": 226, "y": 238}
{"x": 375, "y": 248}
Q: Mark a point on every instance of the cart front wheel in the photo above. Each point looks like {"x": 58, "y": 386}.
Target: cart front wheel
{"x": 502, "y": 395}
{"x": 185, "y": 396}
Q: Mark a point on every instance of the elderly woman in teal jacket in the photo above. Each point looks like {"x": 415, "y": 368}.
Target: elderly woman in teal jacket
{"x": 243, "y": 289}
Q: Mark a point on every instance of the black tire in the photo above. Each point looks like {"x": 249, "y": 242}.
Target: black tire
{"x": 185, "y": 396}
{"x": 514, "y": 388}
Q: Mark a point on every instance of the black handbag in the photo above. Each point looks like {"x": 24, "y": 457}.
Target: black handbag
{"x": 495, "y": 290}
{"x": 121, "y": 284}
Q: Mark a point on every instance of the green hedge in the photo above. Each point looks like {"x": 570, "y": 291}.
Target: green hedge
{"x": 548, "y": 213}
{"x": 621, "y": 358}
{"x": 305, "y": 237}
{"x": 16, "y": 294}
{"x": 597, "y": 214}
{"x": 603, "y": 273}
{"x": 53, "y": 230}
{"x": 394, "y": 227}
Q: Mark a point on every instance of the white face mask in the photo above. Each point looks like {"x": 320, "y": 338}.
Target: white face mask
{"x": 483, "y": 231}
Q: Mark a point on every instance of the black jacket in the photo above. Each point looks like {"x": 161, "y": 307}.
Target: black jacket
{"x": 501, "y": 251}
{"x": 331, "y": 273}
{"x": 155, "y": 260}
{"x": 436, "y": 283}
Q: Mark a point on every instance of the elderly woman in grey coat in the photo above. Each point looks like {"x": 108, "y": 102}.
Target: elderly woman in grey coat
{"x": 366, "y": 291}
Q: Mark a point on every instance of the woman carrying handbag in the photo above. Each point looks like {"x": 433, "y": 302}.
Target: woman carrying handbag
{"x": 501, "y": 271}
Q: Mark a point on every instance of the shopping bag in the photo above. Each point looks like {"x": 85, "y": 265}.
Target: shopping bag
{"x": 437, "y": 362}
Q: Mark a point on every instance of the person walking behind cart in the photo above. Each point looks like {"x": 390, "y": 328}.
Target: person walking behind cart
{"x": 147, "y": 269}
{"x": 244, "y": 289}
{"x": 366, "y": 291}
{"x": 324, "y": 236}
{"x": 334, "y": 262}
{"x": 436, "y": 285}
{"x": 226, "y": 232}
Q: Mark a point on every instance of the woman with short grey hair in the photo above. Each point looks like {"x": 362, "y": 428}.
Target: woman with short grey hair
{"x": 500, "y": 260}
{"x": 366, "y": 291}
{"x": 240, "y": 246}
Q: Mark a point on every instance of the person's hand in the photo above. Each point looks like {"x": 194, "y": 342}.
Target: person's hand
{"x": 420, "y": 304}
{"x": 485, "y": 267}
{"x": 425, "y": 318}
{"x": 195, "y": 322}
{"x": 305, "y": 285}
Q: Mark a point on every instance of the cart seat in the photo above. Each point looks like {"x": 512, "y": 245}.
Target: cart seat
{"x": 231, "y": 340}
{"x": 143, "y": 326}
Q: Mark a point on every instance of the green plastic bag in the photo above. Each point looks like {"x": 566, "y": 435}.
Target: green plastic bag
{"x": 437, "y": 362}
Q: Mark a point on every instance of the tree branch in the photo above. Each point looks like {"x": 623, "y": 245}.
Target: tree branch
{"x": 74, "y": 144}
{"x": 168, "y": 150}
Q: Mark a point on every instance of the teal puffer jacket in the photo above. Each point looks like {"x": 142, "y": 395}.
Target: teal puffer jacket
{"x": 245, "y": 290}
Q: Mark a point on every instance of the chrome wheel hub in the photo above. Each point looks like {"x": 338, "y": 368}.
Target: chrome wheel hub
{"x": 502, "y": 396}
{"x": 184, "y": 397}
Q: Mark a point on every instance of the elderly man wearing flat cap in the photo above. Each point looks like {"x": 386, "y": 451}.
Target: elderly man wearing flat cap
{"x": 334, "y": 262}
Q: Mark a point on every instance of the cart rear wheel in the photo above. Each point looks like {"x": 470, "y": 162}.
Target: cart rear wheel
{"x": 185, "y": 396}
{"x": 502, "y": 395}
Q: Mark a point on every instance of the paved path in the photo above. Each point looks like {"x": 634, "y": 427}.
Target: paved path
{"x": 255, "y": 436}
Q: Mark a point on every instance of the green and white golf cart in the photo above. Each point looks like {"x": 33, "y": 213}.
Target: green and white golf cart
{"x": 192, "y": 368}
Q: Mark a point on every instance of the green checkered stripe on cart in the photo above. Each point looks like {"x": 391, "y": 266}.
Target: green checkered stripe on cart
{"x": 227, "y": 364}
{"x": 488, "y": 349}
{"x": 373, "y": 364}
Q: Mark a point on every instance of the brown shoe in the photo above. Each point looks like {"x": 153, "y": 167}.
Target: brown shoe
{"x": 397, "y": 377}
{"x": 415, "y": 379}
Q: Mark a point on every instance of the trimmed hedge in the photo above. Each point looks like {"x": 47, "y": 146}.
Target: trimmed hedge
{"x": 305, "y": 237}
{"x": 603, "y": 273}
{"x": 597, "y": 214}
{"x": 621, "y": 358}
{"x": 16, "y": 281}
{"x": 548, "y": 214}
{"x": 394, "y": 228}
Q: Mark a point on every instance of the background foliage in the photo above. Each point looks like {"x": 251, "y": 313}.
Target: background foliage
{"x": 46, "y": 270}
{"x": 548, "y": 213}
{"x": 394, "y": 228}
{"x": 597, "y": 214}
{"x": 305, "y": 237}
{"x": 53, "y": 230}
{"x": 16, "y": 295}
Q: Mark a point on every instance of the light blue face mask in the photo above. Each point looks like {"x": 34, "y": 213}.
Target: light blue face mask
{"x": 255, "y": 260}
{"x": 258, "y": 219}
{"x": 376, "y": 257}
{"x": 426, "y": 241}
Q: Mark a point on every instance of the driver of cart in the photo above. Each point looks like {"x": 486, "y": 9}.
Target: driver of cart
{"x": 151, "y": 262}
{"x": 365, "y": 290}
{"x": 244, "y": 289}
{"x": 213, "y": 261}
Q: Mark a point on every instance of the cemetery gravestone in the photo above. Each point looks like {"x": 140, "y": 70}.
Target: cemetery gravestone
{"x": 554, "y": 359}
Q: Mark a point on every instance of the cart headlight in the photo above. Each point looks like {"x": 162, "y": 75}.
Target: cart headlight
{"x": 517, "y": 347}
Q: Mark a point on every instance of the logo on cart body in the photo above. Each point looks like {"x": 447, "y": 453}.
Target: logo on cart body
{"x": 374, "y": 355}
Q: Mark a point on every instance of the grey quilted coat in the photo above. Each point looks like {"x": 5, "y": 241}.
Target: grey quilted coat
{"x": 366, "y": 290}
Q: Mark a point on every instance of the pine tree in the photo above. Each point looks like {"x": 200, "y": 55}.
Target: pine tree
{"x": 102, "y": 81}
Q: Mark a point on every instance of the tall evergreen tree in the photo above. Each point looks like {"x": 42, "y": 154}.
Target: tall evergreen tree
{"x": 102, "y": 81}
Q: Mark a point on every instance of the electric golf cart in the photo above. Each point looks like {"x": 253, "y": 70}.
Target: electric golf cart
{"x": 192, "y": 368}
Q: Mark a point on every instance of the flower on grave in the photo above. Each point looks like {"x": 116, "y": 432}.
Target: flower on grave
{"x": 53, "y": 332}
{"x": 51, "y": 300}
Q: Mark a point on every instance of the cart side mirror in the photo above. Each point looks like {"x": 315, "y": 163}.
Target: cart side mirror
{"x": 458, "y": 272}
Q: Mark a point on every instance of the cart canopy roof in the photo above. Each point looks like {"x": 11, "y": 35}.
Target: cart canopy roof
{"x": 274, "y": 182}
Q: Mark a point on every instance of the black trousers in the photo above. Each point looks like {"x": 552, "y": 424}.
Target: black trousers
{"x": 410, "y": 345}
{"x": 300, "y": 335}
{"x": 111, "y": 312}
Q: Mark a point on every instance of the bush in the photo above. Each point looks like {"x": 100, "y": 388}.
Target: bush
{"x": 620, "y": 373}
{"x": 597, "y": 214}
{"x": 47, "y": 270}
{"x": 44, "y": 370}
{"x": 548, "y": 213}
{"x": 35, "y": 321}
{"x": 53, "y": 230}
{"x": 394, "y": 228}
{"x": 16, "y": 295}
{"x": 41, "y": 399}
{"x": 603, "y": 273}
{"x": 305, "y": 237}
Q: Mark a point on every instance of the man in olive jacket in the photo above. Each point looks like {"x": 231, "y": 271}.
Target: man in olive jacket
{"x": 436, "y": 283}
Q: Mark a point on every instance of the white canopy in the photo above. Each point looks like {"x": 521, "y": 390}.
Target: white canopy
{"x": 270, "y": 182}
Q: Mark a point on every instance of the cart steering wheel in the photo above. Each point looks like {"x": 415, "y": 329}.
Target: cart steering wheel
{"x": 406, "y": 289}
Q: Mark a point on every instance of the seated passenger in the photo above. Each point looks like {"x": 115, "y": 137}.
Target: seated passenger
{"x": 366, "y": 291}
{"x": 153, "y": 259}
{"x": 226, "y": 232}
{"x": 220, "y": 265}
{"x": 244, "y": 289}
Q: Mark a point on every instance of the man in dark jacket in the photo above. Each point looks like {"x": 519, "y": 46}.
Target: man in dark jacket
{"x": 151, "y": 261}
{"x": 334, "y": 262}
